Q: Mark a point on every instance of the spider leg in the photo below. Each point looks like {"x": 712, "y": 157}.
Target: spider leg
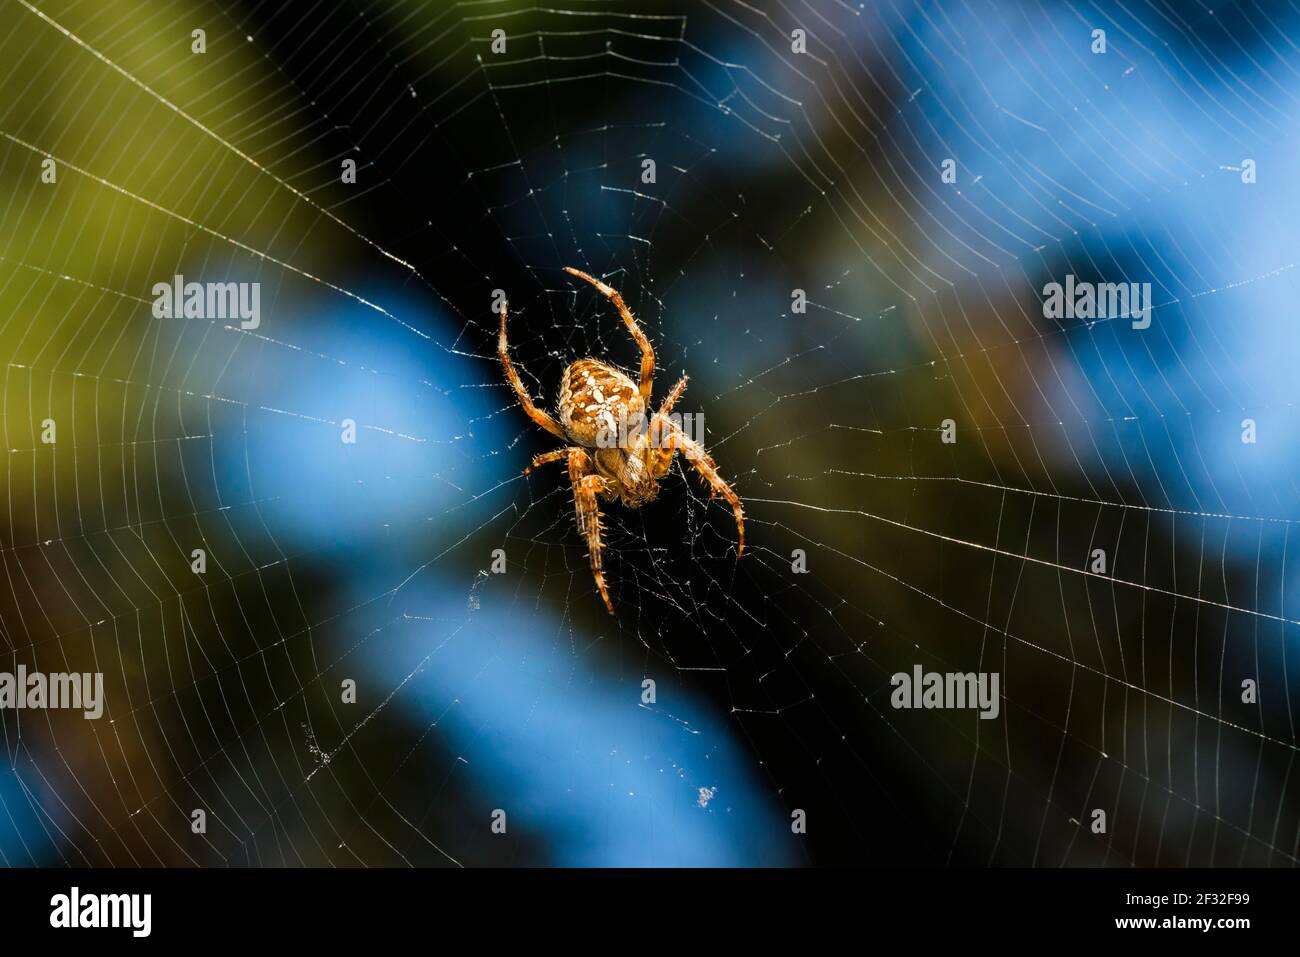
{"x": 708, "y": 469}
{"x": 545, "y": 458}
{"x": 647, "y": 354}
{"x": 586, "y": 486}
{"x": 539, "y": 416}
{"x": 673, "y": 396}
{"x": 658, "y": 432}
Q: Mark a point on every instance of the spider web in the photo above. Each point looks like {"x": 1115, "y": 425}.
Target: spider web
{"x": 493, "y": 681}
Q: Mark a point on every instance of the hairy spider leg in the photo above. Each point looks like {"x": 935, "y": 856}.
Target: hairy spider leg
{"x": 647, "y": 353}
{"x": 555, "y": 455}
{"x": 673, "y": 396}
{"x": 708, "y": 469}
{"x": 539, "y": 416}
{"x": 586, "y": 486}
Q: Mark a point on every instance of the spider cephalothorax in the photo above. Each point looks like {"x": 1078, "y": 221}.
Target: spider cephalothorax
{"x": 615, "y": 452}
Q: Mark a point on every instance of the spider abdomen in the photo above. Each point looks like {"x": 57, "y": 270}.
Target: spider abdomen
{"x": 596, "y": 398}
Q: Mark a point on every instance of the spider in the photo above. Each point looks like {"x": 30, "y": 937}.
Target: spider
{"x": 595, "y": 398}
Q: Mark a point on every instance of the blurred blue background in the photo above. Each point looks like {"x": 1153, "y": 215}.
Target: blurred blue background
{"x": 777, "y": 170}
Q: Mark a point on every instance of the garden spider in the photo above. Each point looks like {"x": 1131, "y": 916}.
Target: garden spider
{"x": 601, "y": 412}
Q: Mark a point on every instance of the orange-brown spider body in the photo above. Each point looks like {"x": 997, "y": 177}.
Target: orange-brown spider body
{"x": 596, "y": 402}
{"x": 615, "y": 452}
